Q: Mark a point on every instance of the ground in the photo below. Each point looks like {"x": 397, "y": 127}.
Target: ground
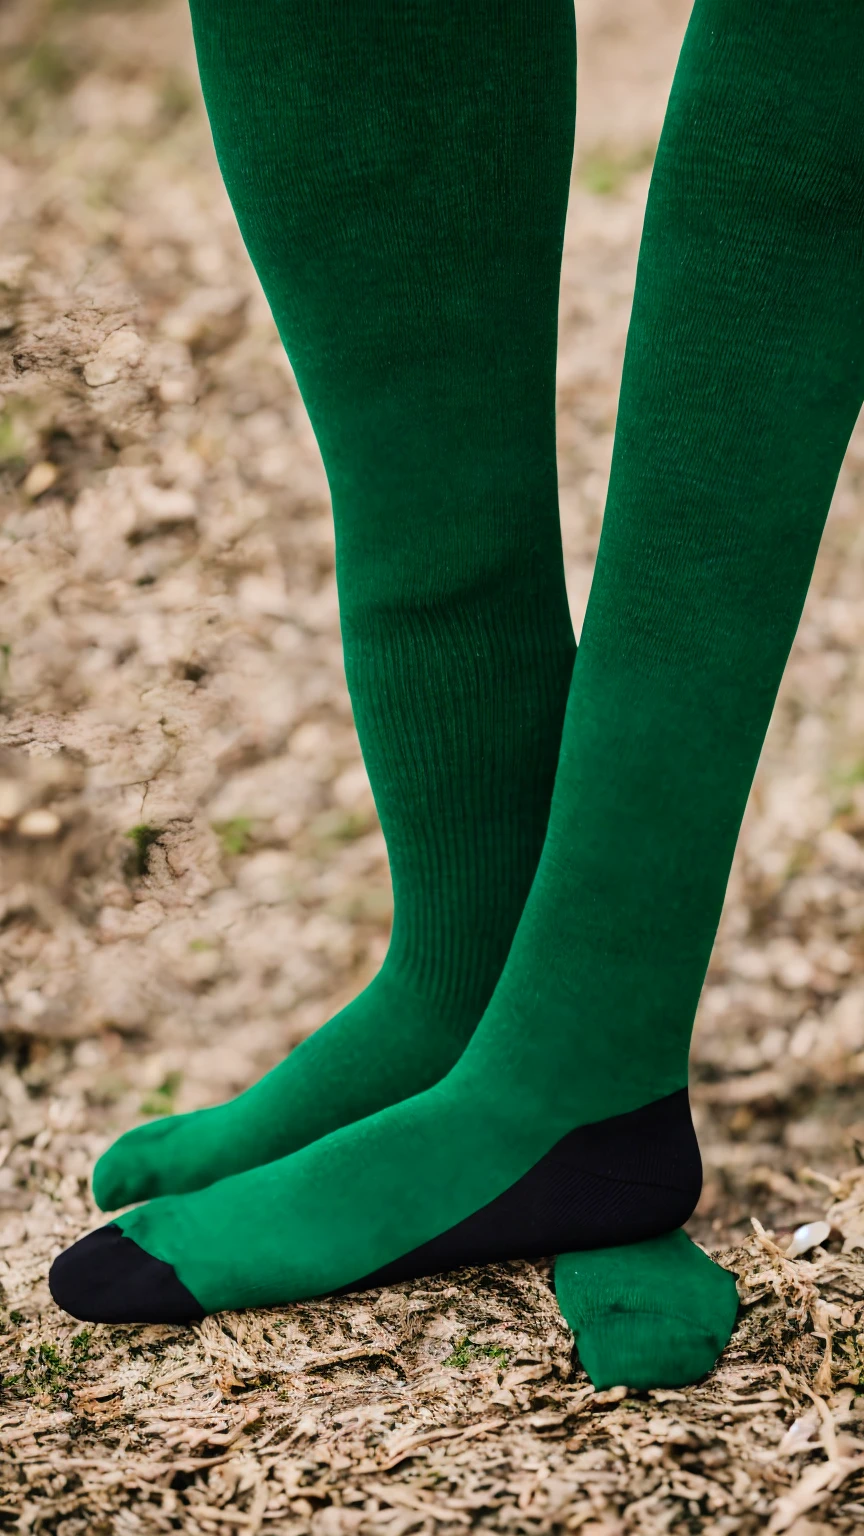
{"x": 193, "y": 876}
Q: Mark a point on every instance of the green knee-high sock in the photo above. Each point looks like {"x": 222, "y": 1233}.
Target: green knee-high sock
{"x": 743, "y": 379}
{"x": 400, "y": 173}
{"x": 564, "y": 1125}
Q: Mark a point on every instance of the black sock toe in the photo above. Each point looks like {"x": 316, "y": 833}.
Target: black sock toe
{"x": 107, "y": 1278}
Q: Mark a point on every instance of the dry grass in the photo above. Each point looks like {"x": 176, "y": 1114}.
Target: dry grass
{"x": 193, "y": 877}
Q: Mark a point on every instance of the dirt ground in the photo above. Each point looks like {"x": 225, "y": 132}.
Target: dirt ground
{"x": 193, "y": 876}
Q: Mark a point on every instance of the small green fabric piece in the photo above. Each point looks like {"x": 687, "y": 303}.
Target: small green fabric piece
{"x": 653, "y": 1314}
{"x": 400, "y": 174}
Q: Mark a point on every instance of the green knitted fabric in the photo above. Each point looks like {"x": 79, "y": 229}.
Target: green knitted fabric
{"x": 652, "y": 1314}
{"x": 400, "y": 173}
{"x": 744, "y": 375}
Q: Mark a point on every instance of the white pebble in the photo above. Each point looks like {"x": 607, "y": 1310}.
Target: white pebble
{"x": 809, "y": 1236}
{"x": 42, "y": 823}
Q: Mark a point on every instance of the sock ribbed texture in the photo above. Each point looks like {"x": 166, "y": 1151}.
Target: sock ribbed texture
{"x": 744, "y": 375}
{"x": 400, "y": 174}
{"x": 653, "y": 1314}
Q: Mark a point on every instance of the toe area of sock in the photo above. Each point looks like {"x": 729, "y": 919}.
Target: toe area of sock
{"x": 643, "y": 1350}
{"x": 123, "y": 1175}
{"x": 106, "y": 1277}
{"x": 111, "y": 1188}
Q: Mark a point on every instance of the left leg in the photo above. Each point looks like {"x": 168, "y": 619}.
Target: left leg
{"x": 400, "y": 172}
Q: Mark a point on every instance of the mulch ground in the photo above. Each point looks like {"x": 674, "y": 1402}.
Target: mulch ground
{"x": 194, "y": 878}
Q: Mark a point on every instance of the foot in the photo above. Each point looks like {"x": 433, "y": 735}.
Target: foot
{"x": 450, "y": 1177}
{"x": 651, "y": 1314}
{"x": 385, "y": 1046}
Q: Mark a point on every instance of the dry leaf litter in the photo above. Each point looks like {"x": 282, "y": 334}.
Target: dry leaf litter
{"x": 193, "y": 877}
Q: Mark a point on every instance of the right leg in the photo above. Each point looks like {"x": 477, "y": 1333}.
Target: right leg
{"x": 400, "y": 172}
{"x": 743, "y": 378}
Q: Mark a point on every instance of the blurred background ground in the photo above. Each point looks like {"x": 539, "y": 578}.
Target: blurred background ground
{"x": 193, "y": 877}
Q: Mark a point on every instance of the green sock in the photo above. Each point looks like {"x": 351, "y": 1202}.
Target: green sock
{"x": 564, "y": 1125}
{"x": 401, "y": 184}
{"x": 743, "y": 380}
{"x": 652, "y": 1314}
